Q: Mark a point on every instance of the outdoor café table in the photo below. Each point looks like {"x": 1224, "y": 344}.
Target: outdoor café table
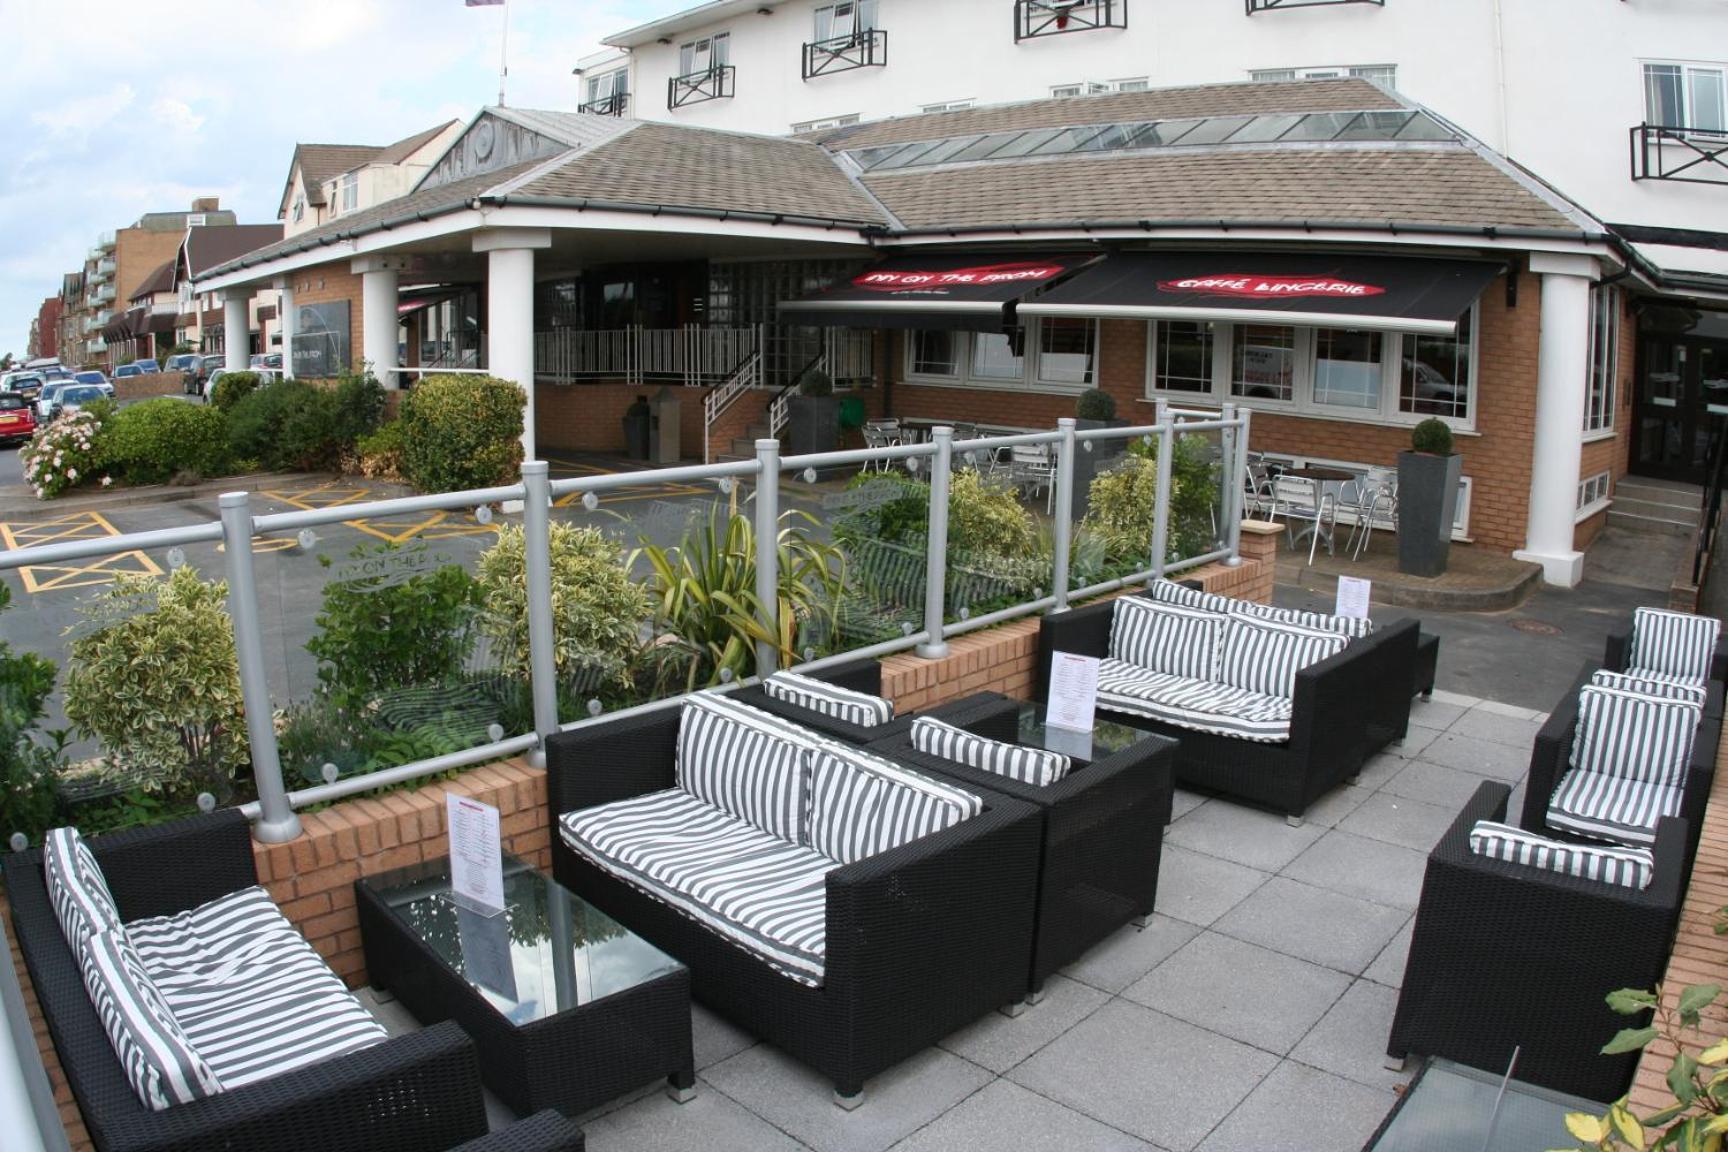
{"x": 1326, "y": 480}
{"x": 1106, "y": 738}
{"x": 567, "y": 1007}
{"x": 1453, "y": 1108}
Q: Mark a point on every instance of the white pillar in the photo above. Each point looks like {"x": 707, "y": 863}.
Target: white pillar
{"x": 1562, "y": 382}
{"x": 236, "y": 328}
{"x": 288, "y": 319}
{"x": 379, "y": 323}
{"x": 510, "y": 311}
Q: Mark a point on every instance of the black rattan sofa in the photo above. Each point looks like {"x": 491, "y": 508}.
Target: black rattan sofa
{"x": 920, "y": 940}
{"x": 545, "y": 1131}
{"x": 1507, "y": 955}
{"x": 1618, "y": 656}
{"x": 410, "y": 1093}
{"x": 858, "y": 675}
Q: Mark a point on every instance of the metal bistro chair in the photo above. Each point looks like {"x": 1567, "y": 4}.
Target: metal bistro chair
{"x": 880, "y": 434}
{"x": 1368, "y": 499}
{"x": 1310, "y": 501}
{"x": 1260, "y": 486}
{"x": 1032, "y": 469}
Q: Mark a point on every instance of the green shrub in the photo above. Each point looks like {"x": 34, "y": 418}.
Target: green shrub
{"x": 359, "y": 408}
{"x": 233, "y": 387}
{"x": 27, "y": 759}
{"x": 1095, "y": 404}
{"x": 815, "y": 382}
{"x": 984, "y": 518}
{"x": 149, "y": 443}
{"x": 154, "y": 677}
{"x": 1433, "y": 436}
{"x": 1122, "y": 502}
{"x": 462, "y": 432}
{"x": 379, "y": 454}
{"x": 288, "y": 425}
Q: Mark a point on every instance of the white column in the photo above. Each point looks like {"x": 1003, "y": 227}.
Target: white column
{"x": 379, "y": 325}
{"x": 510, "y": 311}
{"x": 236, "y": 328}
{"x": 1562, "y": 382}
{"x": 288, "y": 319}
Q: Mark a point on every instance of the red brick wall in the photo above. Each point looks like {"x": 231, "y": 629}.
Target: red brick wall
{"x": 590, "y": 417}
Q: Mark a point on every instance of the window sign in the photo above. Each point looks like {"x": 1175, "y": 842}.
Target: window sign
{"x": 1347, "y": 368}
{"x": 1264, "y": 362}
{"x": 322, "y": 344}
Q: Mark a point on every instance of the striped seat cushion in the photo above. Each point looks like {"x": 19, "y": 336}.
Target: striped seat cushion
{"x": 253, "y": 997}
{"x": 1628, "y": 867}
{"x": 76, "y": 887}
{"x": 1170, "y": 592}
{"x": 1200, "y": 705}
{"x": 764, "y": 895}
{"x": 858, "y": 708}
{"x": 1354, "y": 627}
{"x": 1618, "y": 809}
{"x": 1034, "y": 766}
{"x": 160, "y": 1059}
{"x": 1166, "y": 638}
{"x": 1626, "y": 734}
{"x": 1676, "y": 643}
{"x": 745, "y": 761}
{"x": 862, "y": 805}
{"x": 1651, "y": 684}
{"x": 1264, "y": 657}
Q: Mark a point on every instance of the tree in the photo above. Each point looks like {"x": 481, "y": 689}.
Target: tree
{"x": 6, "y": 362}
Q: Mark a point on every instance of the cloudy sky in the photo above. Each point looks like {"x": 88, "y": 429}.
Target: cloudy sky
{"x": 115, "y": 109}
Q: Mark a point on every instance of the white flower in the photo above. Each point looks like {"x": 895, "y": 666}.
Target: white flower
{"x": 107, "y": 480}
{"x": 71, "y": 473}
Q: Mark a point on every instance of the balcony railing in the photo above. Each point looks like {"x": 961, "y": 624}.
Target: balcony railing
{"x": 1274, "y": 5}
{"x": 715, "y": 83}
{"x": 1055, "y": 17}
{"x": 614, "y": 105}
{"x": 866, "y": 49}
{"x": 1686, "y": 155}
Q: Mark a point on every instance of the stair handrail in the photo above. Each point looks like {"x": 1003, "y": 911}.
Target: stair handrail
{"x": 780, "y": 407}
{"x": 722, "y": 396}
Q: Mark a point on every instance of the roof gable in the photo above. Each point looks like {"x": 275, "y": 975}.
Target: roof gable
{"x": 501, "y": 138}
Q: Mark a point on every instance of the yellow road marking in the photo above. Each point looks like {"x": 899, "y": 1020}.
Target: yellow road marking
{"x": 649, "y": 490}
{"x": 321, "y": 496}
{"x": 74, "y": 526}
{"x": 432, "y": 526}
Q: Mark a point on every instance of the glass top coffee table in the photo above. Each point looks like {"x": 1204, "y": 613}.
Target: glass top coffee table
{"x": 1106, "y": 738}
{"x": 1454, "y": 1108}
{"x": 568, "y": 1007}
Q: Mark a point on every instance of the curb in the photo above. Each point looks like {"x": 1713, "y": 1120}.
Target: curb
{"x": 30, "y": 507}
{"x": 1494, "y": 598}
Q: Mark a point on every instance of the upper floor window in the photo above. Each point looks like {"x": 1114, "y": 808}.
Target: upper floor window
{"x": 849, "y": 21}
{"x": 946, "y": 106}
{"x": 350, "y": 191}
{"x": 823, "y": 125}
{"x": 299, "y": 208}
{"x": 703, "y": 71}
{"x": 607, "y": 93}
{"x": 704, "y": 55}
{"x": 1385, "y": 75}
{"x": 1689, "y": 96}
{"x": 1101, "y": 87}
{"x": 1604, "y": 358}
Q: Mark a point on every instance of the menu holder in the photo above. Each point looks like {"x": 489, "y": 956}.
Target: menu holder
{"x": 1073, "y": 699}
{"x": 486, "y": 951}
{"x": 1353, "y": 593}
{"x": 476, "y": 855}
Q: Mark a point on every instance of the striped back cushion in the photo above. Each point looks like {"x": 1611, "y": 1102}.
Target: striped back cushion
{"x": 1355, "y": 627}
{"x": 1629, "y": 867}
{"x": 159, "y": 1060}
{"x": 1166, "y": 638}
{"x": 1677, "y": 643}
{"x": 1262, "y": 656}
{"x": 1170, "y": 592}
{"x": 1664, "y": 689}
{"x": 1034, "y": 766}
{"x": 744, "y": 762}
{"x": 861, "y": 805}
{"x": 76, "y": 887}
{"x": 858, "y": 708}
{"x": 1638, "y": 737}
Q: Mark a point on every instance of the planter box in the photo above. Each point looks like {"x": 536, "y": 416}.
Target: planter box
{"x": 1427, "y": 509}
{"x": 814, "y": 424}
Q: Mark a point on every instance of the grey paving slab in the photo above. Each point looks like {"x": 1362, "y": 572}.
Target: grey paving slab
{"x": 1435, "y": 713}
{"x": 1514, "y": 711}
{"x": 1183, "y": 802}
{"x": 714, "y": 1038}
{"x": 1363, "y": 868}
{"x": 1241, "y": 990}
{"x": 1416, "y": 739}
{"x": 999, "y": 1042}
{"x": 1400, "y": 820}
{"x": 1484, "y": 724}
{"x": 796, "y": 1100}
{"x": 1458, "y": 699}
{"x": 1248, "y": 836}
{"x": 1379, "y": 769}
{"x": 1199, "y": 888}
{"x": 1314, "y": 924}
{"x": 1130, "y": 953}
{"x": 1469, "y": 754}
{"x": 1301, "y": 1109}
{"x": 1350, "y": 1040}
{"x": 1335, "y": 805}
{"x": 1148, "y": 1074}
{"x": 1388, "y": 967}
{"x": 1435, "y": 784}
{"x": 710, "y": 1122}
{"x": 1006, "y": 1115}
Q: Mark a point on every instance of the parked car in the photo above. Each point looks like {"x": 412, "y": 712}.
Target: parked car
{"x": 72, "y": 397}
{"x": 183, "y": 362}
{"x": 148, "y": 367}
{"x": 26, "y": 384}
{"x": 93, "y": 377}
{"x": 46, "y": 398}
{"x": 127, "y": 371}
{"x": 273, "y": 361}
{"x": 17, "y": 418}
{"x": 206, "y": 365}
{"x": 57, "y": 372}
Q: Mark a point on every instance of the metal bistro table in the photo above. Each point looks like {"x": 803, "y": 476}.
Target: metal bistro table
{"x": 1453, "y": 1108}
{"x": 567, "y": 1007}
{"x": 1106, "y": 738}
{"x": 1327, "y": 482}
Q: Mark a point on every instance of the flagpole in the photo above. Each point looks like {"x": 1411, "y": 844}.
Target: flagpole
{"x": 504, "y": 54}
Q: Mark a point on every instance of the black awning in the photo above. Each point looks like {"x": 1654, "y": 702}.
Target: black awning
{"x": 1389, "y": 293}
{"x": 975, "y": 292}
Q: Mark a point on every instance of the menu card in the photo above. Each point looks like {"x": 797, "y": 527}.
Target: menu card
{"x": 1353, "y": 596}
{"x": 476, "y": 857}
{"x": 1073, "y": 691}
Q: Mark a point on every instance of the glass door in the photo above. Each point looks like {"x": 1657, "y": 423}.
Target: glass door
{"x": 1682, "y": 393}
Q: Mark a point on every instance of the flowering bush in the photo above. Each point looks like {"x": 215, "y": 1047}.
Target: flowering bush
{"x": 64, "y": 454}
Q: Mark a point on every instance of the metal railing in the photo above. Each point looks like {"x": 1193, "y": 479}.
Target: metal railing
{"x": 693, "y": 355}
{"x": 614, "y": 105}
{"x": 1704, "y": 555}
{"x": 1685, "y": 155}
{"x": 1274, "y": 5}
{"x": 1056, "y": 17}
{"x": 714, "y": 83}
{"x": 863, "y": 49}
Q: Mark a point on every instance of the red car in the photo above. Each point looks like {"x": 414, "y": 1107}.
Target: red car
{"x": 17, "y": 418}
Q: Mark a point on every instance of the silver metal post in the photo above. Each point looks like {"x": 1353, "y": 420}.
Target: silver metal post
{"x": 1238, "y": 479}
{"x": 1063, "y": 532}
{"x": 936, "y": 559}
{"x": 768, "y": 551}
{"x": 542, "y": 635}
{"x": 1161, "y": 519}
{"x": 276, "y": 819}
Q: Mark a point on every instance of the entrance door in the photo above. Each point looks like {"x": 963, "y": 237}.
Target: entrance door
{"x": 1682, "y": 395}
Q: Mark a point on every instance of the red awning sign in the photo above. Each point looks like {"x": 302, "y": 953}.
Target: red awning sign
{"x": 1242, "y": 284}
{"x": 912, "y": 279}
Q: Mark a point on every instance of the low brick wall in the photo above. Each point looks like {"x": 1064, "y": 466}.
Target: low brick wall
{"x": 154, "y": 384}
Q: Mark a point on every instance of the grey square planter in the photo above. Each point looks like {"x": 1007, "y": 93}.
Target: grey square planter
{"x": 1427, "y": 508}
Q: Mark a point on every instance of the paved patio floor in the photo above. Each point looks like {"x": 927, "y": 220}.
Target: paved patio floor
{"x": 1251, "y": 1014}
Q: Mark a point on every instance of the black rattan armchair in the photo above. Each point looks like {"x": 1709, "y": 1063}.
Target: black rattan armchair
{"x": 411, "y": 1093}
{"x": 860, "y": 676}
{"x": 546, "y": 1131}
{"x": 1507, "y": 956}
{"x": 1617, "y": 654}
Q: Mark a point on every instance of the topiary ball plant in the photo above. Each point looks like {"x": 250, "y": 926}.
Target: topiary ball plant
{"x": 815, "y": 383}
{"x": 1432, "y": 436}
{"x": 1095, "y": 404}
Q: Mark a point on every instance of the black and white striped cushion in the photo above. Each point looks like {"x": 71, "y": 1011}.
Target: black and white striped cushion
{"x": 858, "y": 708}
{"x": 1264, "y": 657}
{"x": 764, "y": 895}
{"x": 253, "y": 997}
{"x": 1198, "y": 705}
{"x": 1170, "y": 592}
{"x": 161, "y": 1063}
{"x": 1166, "y": 638}
{"x": 745, "y": 761}
{"x": 862, "y": 805}
{"x": 1035, "y": 766}
{"x": 1355, "y": 627}
{"x": 1626, "y": 734}
{"x": 1650, "y": 684}
{"x": 1627, "y": 867}
{"x": 1618, "y": 809}
{"x": 1675, "y": 643}
{"x": 76, "y": 887}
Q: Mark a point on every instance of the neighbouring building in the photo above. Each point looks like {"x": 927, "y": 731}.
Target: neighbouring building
{"x": 45, "y": 330}
{"x": 72, "y": 315}
{"x": 199, "y": 316}
{"x": 328, "y": 181}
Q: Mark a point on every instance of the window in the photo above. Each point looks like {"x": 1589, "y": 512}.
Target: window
{"x": 1604, "y": 358}
{"x": 994, "y": 358}
{"x": 1592, "y": 494}
{"x": 1182, "y": 356}
{"x": 1065, "y": 351}
{"x": 845, "y": 21}
{"x": 1100, "y": 87}
{"x": 1385, "y": 75}
{"x": 704, "y": 55}
{"x": 946, "y": 106}
{"x": 935, "y": 352}
{"x": 1263, "y": 362}
{"x": 1434, "y": 373}
{"x": 1048, "y": 355}
{"x": 299, "y": 207}
{"x": 1685, "y": 96}
{"x": 1347, "y": 368}
{"x": 608, "y": 85}
{"x": 824, "y": 125}
{"x": 350, "y": 191}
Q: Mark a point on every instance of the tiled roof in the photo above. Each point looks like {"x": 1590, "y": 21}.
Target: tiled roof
{"x": 208, "y": 247}
{"x": 576, "y": 129}
{"x": 407, "y": 146}
{"x": 320, "y": 163}
{"x": 160, "y": 279}
{"x": 665, "y": 164}
{"x": 1243, "y": 99}
{"x": 1447, "y": 186}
